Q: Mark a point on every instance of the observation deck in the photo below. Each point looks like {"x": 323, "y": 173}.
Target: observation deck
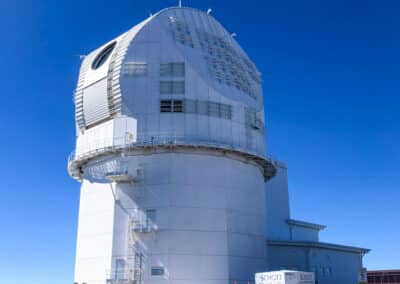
{"x": 124, "y": 146}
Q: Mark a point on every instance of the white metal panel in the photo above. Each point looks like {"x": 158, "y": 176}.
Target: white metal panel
{"x": 95, "y": 233}
{"x": 94, "y": 75}
{"x": 95, "y": 103}
{"x": 116, "y": 132}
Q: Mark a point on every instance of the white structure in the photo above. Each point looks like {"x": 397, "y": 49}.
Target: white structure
{"x": 171, "y": 154}
{"x": 295, "y": 245}
{"x": 285, "y": 277}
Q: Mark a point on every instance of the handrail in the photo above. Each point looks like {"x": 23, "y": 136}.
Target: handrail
{"x": 104, "y": 146}
{"x": 99, "y": 146}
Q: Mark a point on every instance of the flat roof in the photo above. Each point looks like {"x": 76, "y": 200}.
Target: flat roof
{"x": 318, "y": 245}
{"x": 391, "y": 271}
{"x": 307, "y": 225}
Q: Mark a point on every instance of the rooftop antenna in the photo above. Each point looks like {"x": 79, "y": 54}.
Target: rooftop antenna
{"x": 180, "y": 4}
{"x": 209, "y": 11}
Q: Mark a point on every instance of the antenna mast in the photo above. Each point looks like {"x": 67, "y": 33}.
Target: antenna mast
{"x": 180, "y": 4}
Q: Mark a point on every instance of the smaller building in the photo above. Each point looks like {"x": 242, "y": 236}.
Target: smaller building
{"x": 384, "y": 276}
{"x": 295, "y": 244}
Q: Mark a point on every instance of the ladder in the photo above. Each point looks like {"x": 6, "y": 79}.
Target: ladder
{"x": 134, "y": 257}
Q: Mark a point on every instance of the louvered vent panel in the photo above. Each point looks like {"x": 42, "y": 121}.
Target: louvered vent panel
{"x": 95, "y": 103}
{"x": 78, "y": 97}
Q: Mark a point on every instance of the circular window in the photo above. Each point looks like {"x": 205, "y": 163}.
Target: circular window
{"x": 103, "y": 55}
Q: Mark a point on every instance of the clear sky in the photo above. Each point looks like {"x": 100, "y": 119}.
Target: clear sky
{"x": 331, "y": 86}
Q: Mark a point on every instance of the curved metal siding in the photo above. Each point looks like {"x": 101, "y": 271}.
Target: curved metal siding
{"x": 90, "y": 107}
{"x": 78, "y": 97}
{"x": 113, "y": 89}
{"x": 115, "y": 69}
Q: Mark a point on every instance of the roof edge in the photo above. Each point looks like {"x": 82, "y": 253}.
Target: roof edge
{"x": 328, "y": 246}
{"x": 304, "y": 224}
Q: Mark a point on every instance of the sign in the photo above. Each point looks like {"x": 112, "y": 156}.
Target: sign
{"x": 285, "y": 277}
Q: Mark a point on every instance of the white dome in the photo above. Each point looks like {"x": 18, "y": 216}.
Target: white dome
{"x": 180, "y": 75}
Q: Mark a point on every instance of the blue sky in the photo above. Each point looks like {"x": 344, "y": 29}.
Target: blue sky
{"x": 331, "y": 87}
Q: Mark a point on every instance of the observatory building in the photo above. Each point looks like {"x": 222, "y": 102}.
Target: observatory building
{"x": 176, "y": 183}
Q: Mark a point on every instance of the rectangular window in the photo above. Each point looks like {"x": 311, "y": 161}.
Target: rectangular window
{"x": 150, "y": 218}
{"x": 178, "y": 87}
{"x": 213, "y": 109}
{"x": 177, "y": 106}
{"x": 171, "y": 106}
{"x": 157, "y": 271}
{"x": 135, "y": 69}
{"x": 172, "y": 69}
{"x": 165, "y": 87}
{"x": 172, "y": 87}
{"x": 166, "y": 106}
{"x": 225, "y": 111}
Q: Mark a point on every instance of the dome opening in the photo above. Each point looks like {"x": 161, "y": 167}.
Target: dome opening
{"x": 103, "y": 56}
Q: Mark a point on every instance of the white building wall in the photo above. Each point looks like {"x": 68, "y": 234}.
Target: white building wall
{"x": 95, "y": 233}
{"x": 277, "y": 206}
{"x": 304, "y": 234}
{"x": 210, "y": 219}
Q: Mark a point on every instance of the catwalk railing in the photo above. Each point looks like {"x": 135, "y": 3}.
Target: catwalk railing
{"x": 100, "y": 147}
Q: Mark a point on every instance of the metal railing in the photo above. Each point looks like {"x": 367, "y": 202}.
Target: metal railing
{"x": 105, "y": 146}
{"x": 121, "y": 276}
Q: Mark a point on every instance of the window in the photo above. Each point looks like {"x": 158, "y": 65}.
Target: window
{"x": 172, "y": 87}
{"x": 150, "y": 218}
{"x": 172, "y": 69}
{"x": 135, "y": 69}
{"x": 213, "y": 109}
{"x": 166, "y": 106}
{"x": 171, "y": 106}
{"x": 157, "y": 271}
{"x": 197, "y": 107}
{"x": 103, "y": 56}
{"x": 177, "y": 106}
{"x": 225, "y": 111}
